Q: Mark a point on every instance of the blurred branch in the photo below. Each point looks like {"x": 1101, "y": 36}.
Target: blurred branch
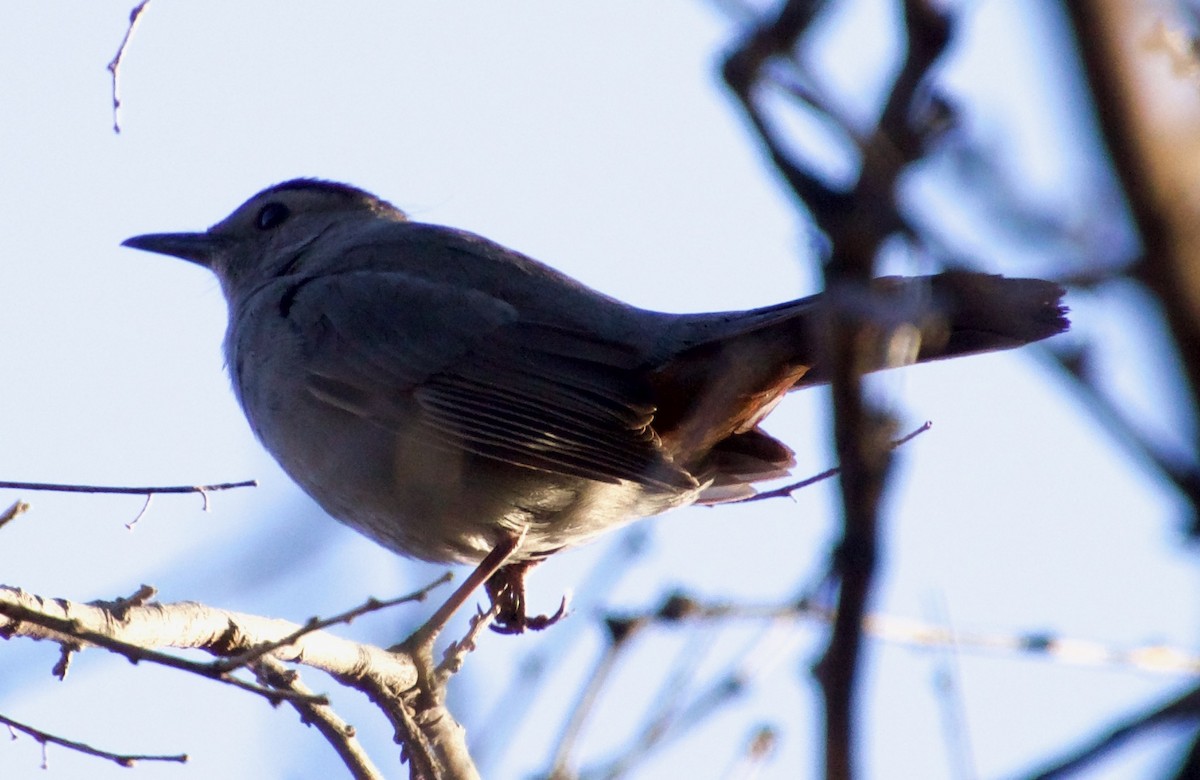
{"x": 1189, "y": 768}
{"x": 679, "y": 711}
{"x": 948, "y": 692}
{"x": 687, "y": 699}
{"x": 620, "y": 632}
{"x": 856, "y": 223}
{"x": 759, "y": 749}
{"x": 1116, "y": 421}
{"x": 681, "y": 608}
{"x": 1148, "y": 113}
{"x": 530, "y": 675}
{"x": 1182, "y": 708}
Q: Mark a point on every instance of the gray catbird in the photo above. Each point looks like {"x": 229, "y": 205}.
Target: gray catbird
{"x": 447, "y": 396}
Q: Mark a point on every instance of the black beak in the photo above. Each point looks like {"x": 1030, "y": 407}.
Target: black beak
{"x": 197, "y": 247}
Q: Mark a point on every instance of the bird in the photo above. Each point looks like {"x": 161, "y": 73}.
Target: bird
{"x": 457, "y": 401}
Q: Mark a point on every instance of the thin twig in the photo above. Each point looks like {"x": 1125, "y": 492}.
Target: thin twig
{"x": 620, "y": 633}
{"x": 418, "y": 750}
{"x": 759, "y": 749}
{"x": 114, "y": 66}
{"x": 225, "y": 665}
{"x": 949, "y": 696}
{"x": 148, "y": 492}
{"x": 142, "y": 512}
{"x": 339, "y": 734}
{"x": 763, "y": 653}
{"x": 1154, "y": 659}
{"x": 788, "y": 490}
{"x": 1181, "y": 708}
{"x": 17, "y": 509}
{"x": 669, "y": 704}
{"x": 456, "y": 653}
{"x": 131, "y": 491}
{"x": 529, "y": 676}
{"x": 122, "y": 759}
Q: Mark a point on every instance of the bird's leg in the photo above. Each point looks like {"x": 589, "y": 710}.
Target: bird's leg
{"x": 422, "y": 639}
{"x": 506, "y": 588}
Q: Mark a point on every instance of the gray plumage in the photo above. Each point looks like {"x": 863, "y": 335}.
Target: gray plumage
{"x": 435, "y": 390}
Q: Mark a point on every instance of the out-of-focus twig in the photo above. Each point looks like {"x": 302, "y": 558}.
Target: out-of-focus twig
{"x": 1181, "y": 708}
{"x": 857, "y": 222}
{"x": 620, "y": 632}
{"x": 1148, "y": 118}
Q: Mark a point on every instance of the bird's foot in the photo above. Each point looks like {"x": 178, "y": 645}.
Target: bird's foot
{"x": 506, "y": 589}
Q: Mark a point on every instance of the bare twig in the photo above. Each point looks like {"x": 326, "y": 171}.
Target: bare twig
{"x": 949, "y": 696}
{"x": 620, "y": 632}
{"x": 114, "y": 66}
{"x": 456, "y": 652}
{"x": 1181, "y": 708}
{"x": 418, "y": 750}
{"x": 148, "y": 492}
{"x": 527, "y": 678}
{"x": 670, "y": 705}
{"x": 788, "y": 490}
{"x": 856, "y": 222}
{"x": 17, "y": 509}
{"x": 338, "y": 733}
{"x": 146, "y": 507}
{"x": 754, "y": 756}
{"x": 1155, "y": 659}
{"x": 130, "y": 491}
{"x": 123, "y": 759}
{"x": 230, "y": 663}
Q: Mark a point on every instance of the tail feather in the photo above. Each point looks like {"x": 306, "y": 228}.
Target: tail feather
{"x": 734, "y": 366}
{"x": 987, "y": 313}
{"x": 960, "y": 313}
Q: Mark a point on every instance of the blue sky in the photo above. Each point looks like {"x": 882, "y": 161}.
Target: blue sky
{"x": 595, "y": 137}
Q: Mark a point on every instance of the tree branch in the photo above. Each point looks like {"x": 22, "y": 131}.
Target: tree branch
{"x": 432, "y": 739}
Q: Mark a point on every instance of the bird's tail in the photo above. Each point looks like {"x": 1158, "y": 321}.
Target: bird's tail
{"x": 951, "y": 314}
{"x": 738, "y": 365}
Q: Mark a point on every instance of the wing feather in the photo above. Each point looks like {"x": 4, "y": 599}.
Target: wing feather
{"x": 462, "y": 369}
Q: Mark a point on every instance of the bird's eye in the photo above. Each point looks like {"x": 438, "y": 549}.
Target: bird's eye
{"x": 272, "y": 215}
